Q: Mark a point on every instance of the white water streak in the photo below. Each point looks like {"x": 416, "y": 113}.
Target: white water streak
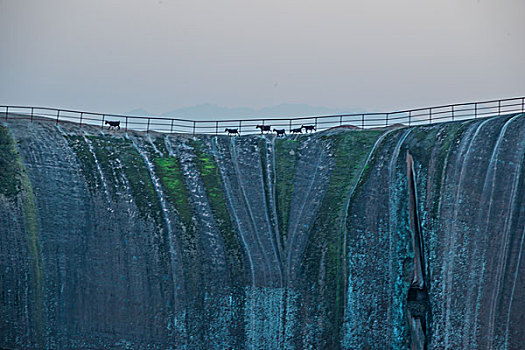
{"x": 99, "y": 169}
{"x": 293, "y": 234}
{"x": 243, "y": 239}
{"x": 492, "y": 167}
{"x": 271, "y": 194}
{"x": 513, "y": 290}
{"x": 158, "y": 190}
{"x": 502, "y": 257}
{"x": 248, "y": 207}
{"x": 449, "y": 263}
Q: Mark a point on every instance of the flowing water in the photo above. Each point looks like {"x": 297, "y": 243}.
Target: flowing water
{"x": 325, "y": 240}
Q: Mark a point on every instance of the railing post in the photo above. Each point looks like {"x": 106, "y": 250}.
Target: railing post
{"x": 6, "y": 111}
{"x": 102, "y": 124}
{"x": 430, "y": 116}
{"x": 475, "y": 110}
{"x": 216, "y": 127}
{"x": 240, "y": 126}
{"x": 409, "y": 117}
{"x": 193, "y": 132}
{"x": 32, "y": 109}
{"x": 81, "y": 115}
{"x": 126, "y": 123}
{"x": 315, "y": 123}
{"x": 362, "y": 121}
{"x": 499, "y": 107}
{"x": 340, "y": 120}
{"x": 290, "y": 127}
{"x": 58, "y": 115}
{"x": 386, "y": 122}
{"x": 147, "y": 128}
{"x": 452, "y": 112}
{"x": 523, "y": 104}
{"x": 171, "y": 127}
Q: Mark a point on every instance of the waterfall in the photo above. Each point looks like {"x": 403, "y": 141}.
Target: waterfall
{"x": 251, "y": 290}
{"x": 99, "y": 169}
{"x": 171, "y": 239}
{"x": 503, "y": 255}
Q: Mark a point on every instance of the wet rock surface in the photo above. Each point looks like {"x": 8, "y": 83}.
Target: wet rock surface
{"x": 123, "y": 240}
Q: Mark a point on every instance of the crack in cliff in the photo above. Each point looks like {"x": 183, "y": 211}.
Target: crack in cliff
{"x": 418, "y": 303}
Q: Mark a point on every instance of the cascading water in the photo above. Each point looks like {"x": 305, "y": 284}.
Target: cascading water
{"x": 328, "y": 240}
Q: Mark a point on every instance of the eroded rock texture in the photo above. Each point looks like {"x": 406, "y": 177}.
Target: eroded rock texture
{"x": 397, "y": 238}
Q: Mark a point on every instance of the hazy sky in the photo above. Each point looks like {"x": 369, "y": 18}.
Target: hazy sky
{"x": 116, "y": 55}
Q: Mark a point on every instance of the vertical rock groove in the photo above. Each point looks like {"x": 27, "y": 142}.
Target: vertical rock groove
{"x": 418, "y": 300}
{"x": 405, "y": 237}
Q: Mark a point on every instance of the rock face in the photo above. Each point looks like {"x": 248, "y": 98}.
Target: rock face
{"x": 397, "y": 238}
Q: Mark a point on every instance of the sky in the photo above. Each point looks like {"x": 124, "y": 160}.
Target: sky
{"x": 114, "y": 56}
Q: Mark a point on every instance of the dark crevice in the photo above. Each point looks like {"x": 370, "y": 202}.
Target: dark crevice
{"x": 418, "y": 303}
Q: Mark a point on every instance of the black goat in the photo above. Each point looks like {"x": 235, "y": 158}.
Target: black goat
{"x": 113, "y": 124}
{"x": 308, "y": 128}
{"x": 296, "y": 131}
{"x": 280, "y": 132}
{"x": 232, "y": 131}
{"x": 263, "y": 128}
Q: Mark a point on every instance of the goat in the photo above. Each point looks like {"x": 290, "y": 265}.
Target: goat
{"x": 263, "y": 128}
{"x": 232, "y": 131}
{"x": 113, "y": 124}
{"x": 280, "y": 132}
{"x": 308, "y": 128}
{"x": 296, "y": 131}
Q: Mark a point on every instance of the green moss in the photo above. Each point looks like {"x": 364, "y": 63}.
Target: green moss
{"x": 123, "y": 167}
{"x": 285, "y": 162}
{"x": 88, "y": 165}
{"x": 170, "y": 174}
{"x": 111, "y": 153}
{"x": 33, "y": 241}
{"x": 15, "y": 185}
{"x": 453, "y": 132}
{"x": 9, "y": 169}
{"x": 211, "y": 178}
{"x": 434, "y": 144}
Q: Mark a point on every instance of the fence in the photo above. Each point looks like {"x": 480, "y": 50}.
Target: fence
{"x": 418, "y": 116}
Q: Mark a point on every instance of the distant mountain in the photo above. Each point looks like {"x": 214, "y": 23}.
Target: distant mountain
{"x": 208, "y": 111}
{"x": 139, "y": 112}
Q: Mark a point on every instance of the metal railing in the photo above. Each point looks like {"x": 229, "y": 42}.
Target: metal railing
{"x": 417, "y": 116}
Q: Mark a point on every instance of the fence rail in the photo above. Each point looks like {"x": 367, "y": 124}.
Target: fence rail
{"x": 417, "y": 116}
